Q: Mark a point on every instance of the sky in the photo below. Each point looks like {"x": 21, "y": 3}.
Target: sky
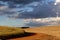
{"x": 20, "y": 13}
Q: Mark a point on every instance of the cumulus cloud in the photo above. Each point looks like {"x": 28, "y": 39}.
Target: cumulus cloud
{"x": 41, "y": 22}
{"x": 35, "y": 9}
{"x": 39, "y": 9}
{"x": 5, "y": 10}
{"x": 31, "y": 10}
{"x": 36, "y": 22}
{"x": 21, "y": 1}
{"x": 16, "y": 8}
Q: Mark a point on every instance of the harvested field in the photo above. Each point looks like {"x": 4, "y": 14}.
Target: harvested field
{"x": 7, "y": 32}
{"x": 42, "y": 33}
{"x": 37, "y": 36}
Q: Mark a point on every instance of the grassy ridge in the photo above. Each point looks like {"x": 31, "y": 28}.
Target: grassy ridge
{"x": 6, "y": 31}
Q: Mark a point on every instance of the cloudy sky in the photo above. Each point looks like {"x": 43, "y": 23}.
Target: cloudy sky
{"x": 22, "y": 12}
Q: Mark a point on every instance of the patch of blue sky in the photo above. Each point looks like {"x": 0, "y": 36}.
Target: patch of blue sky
{"x": 27, "y": 9}
{"x": 4, "y": 21}
{"x": 33, "y": 4}
{"x": 4, "y": 3}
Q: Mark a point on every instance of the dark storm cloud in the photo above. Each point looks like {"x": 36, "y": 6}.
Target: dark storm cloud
{"x": 20, "y": 1}
{"x": 35, "y": 24}
{"x": 9, "y": 7}
{"x": 14, "y": 3}
{"x": 29, "y": 9}
{"x": 5, "y": 10}
{"x": 41, "y": 11}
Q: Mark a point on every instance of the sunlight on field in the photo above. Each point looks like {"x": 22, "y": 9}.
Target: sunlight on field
{"x": 5, "y": 30}
{"x": 50, "y": 30}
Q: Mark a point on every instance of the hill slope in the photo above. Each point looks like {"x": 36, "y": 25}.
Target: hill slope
{"x": 42, "y": 33}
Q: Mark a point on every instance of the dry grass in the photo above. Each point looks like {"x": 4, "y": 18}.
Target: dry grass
{"x": 38, "y": 36}
{"x": 43, "y": 33}
{"x": 49, "y": 30}
{"x": 6, "y": 31}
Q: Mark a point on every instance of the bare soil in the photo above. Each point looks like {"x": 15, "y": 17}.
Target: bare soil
{"x": 41, "y": 33}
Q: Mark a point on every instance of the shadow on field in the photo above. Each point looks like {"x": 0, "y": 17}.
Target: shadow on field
{"x": 17, "y": 36}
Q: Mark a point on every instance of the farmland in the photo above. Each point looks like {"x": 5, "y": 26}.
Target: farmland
{"x": 6, "y": 31}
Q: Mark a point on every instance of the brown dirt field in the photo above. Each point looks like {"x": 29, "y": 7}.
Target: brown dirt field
{"x": 38, "y": 36}
{"x": 41, "y": 33}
